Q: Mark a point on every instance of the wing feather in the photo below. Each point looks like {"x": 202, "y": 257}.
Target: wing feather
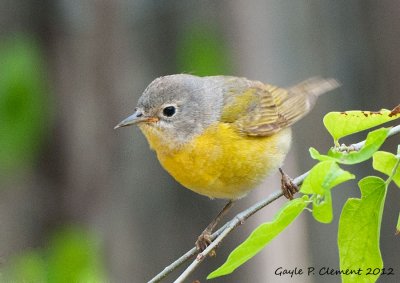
{"x": 262, "y": 109}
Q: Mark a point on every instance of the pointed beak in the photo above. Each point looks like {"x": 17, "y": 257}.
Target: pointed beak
{"x": 135, "y": 118}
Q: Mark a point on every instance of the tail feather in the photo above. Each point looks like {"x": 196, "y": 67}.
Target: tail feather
{"x": 315, "y": 86}
{"x": 305, "y": 94}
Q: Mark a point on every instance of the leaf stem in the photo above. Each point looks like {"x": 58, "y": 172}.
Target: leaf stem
{"x": 398, "y": 226}
{"x": 390, "y": 178}
{"x": 393, "y": 131}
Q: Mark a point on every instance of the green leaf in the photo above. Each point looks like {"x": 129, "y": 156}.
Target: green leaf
{"x": 73, "y": 256}
{"x": 28, "y": 267}
{"x": 385, "y": 162}
{"x": 321, "y": 179}
{"x": 374, "y": 141}
{"x": 322, "y": 208}
{"x": 398, "y": 226}
{"x": 341, "y": 124}
{"x": 324, "y": 176}
{"x": 202, "y": 51}
{"x": 24, "y": 104}
{"x": 318, "y": 156}
{"x": 359, "y": 230}
{"x": 261, "y": 236}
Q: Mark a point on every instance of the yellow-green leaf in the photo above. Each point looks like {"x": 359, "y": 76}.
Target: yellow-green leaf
{"x": 359, "y": 231}
{"x": 324, "y": 176}
{"x": 322, "y": 208}
{"x": 341, "y": 124}
{"x": 261, "y": 236}
{"x": 321, "y": 179}
{"x": 374, "y": 141}
{"x": 385, "y": 162}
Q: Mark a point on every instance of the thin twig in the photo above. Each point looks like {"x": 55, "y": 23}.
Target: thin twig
{"x": 188, "y": 255}
{"x": 219, "y": 235}
{"x": 241, "y": 216}
{"x": 359, "y": 145}
{"x": 201, "y": 256}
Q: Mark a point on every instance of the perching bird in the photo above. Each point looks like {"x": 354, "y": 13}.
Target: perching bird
{"x": 220, "y": 136}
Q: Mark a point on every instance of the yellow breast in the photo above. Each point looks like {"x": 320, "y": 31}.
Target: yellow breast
{"x": 221, "y": 163}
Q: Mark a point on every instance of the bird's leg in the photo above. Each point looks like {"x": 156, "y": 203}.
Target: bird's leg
{"x": 288, "y": 187}
{"x": 205, "y": 237}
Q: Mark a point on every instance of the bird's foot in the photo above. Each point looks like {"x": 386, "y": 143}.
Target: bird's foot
{"x": 203, "y": 241}
{"x": 289, "y": 188}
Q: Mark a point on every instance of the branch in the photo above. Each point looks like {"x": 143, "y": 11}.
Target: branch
{"x": 238, "y": 220}
{"x": 219, "y": 235}
{"x": 188, "y": 255}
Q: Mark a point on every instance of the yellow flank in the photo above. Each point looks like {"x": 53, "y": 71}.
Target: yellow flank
{"x": 221, "y": 163}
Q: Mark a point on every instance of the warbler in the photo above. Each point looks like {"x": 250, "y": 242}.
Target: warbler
{"x": 220, "y": 136}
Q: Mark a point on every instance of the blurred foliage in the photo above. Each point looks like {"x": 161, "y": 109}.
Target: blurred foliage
{"x": 71, "y": 256}
{"x": 24, "y": 105}
{"x": 202, "y": 51}
{"x": 29, "y": 267}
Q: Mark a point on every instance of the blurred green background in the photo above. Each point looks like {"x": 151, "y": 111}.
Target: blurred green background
{"x": 80, "y": 202}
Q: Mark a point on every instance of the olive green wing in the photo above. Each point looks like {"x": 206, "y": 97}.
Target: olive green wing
{"x": 262, "y": 110}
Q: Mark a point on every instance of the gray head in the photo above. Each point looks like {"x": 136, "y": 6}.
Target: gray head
{"x": 176, "y": 107}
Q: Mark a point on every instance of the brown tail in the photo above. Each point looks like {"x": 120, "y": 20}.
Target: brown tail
{"x": 314, "y": 87}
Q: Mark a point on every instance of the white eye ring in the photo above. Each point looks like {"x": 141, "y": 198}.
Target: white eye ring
{"x": 169, "y": 110}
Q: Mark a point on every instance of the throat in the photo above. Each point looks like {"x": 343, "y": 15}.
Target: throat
{"x": 161, "y": 142}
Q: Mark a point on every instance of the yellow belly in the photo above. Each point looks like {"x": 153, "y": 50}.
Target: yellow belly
{"x": 220, "y": 163}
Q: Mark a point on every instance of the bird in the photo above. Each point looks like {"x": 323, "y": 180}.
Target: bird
{"x": 221, "y": 136}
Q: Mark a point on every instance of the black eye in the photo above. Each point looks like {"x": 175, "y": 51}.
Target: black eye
{"x": 169, "y": 111}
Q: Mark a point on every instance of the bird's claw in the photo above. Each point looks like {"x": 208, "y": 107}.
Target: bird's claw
{"x": 203, "y": 241}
